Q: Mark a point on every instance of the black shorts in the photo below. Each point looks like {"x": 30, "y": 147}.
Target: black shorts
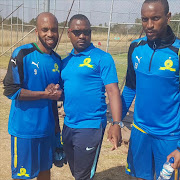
{"x": 82, "y": 148}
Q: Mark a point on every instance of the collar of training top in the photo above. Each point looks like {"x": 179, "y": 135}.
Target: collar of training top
{"x": 163, "y": 43}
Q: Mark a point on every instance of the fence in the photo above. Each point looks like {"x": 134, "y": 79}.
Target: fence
{"x": 105, "y": 16}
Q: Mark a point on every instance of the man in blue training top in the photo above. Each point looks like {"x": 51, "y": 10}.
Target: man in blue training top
{"x": 86, "y": 73}
{"x": 153, "y": 76}
{"x": 31, "y": 69}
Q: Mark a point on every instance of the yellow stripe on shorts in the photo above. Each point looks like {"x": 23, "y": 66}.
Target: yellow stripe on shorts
{"x": 176, "y": 174}
{"x": 139, "y": 128}
{"x": 15, "y": 152}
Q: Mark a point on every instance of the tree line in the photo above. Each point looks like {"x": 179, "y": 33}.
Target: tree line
{"x": 115, "y": 28}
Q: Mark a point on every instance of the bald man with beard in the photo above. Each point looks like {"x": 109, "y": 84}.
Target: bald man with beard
{"x": 33, "y": 115}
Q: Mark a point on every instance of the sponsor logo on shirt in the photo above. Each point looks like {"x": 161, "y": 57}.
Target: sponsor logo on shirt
{"x": 168, "y": 65}
{"x": 138, "y": 59}
{"x": 36, "y": 64}
{"x": 56, "y": 68}
{"x": 23, "y": 172}
{"x": 86, "y": 63}
{"x": 136, "y": 64}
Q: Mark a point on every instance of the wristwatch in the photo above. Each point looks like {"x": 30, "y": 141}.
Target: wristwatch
{"x": 121, "y": 124}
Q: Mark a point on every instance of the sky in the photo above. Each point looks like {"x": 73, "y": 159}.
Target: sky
{"x": 98, "y": 11}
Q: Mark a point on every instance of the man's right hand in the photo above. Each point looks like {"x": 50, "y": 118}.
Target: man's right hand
{"x": 53, "y": 91}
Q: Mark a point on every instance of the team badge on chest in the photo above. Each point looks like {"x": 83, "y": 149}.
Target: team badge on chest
{"x": 86, "y": 62}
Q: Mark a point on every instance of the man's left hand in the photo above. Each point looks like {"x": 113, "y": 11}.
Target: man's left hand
{"x": 114, "y": 136}
{"x": 176, "y": 155}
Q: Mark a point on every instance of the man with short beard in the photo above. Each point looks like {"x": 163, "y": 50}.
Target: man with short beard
{"x": 153, "y": 76}
{"x": 32, "y": 67}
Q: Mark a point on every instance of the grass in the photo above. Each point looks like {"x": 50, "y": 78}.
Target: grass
{"x": 4, "y": 61}
{"x": 5, "y": 138}
{"x": 121, "y": 66}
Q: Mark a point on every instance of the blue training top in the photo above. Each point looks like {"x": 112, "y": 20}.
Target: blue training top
{"x": 31, "y": 69}
{"x": 85, "y": 76}
{"x": 153, "y": 76}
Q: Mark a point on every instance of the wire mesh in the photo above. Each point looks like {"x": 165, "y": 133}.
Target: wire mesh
{"x": 124, "y": 26}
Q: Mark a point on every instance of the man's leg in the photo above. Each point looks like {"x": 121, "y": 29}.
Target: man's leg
{"x": 87, "y": 145}
{"x": 161, "y": 149}
{"x": 67, "y": 139}
{"x": 31, "y": 156}
{"x": 21, "y": 151}
{"x": 140, "y": 161}
{"x": 44, "y": 175}
{"x": 82, "y": 147}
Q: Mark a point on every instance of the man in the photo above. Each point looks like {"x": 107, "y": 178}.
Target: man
{"x": 153, "y": 76}
{"x": 32, "y": 68}
{"x": 86, "y": 73}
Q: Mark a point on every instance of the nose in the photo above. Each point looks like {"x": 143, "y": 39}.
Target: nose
{"x": 50, "y": 33}
{"x": 82, "y": 36}
{"x": 150, "y": 24}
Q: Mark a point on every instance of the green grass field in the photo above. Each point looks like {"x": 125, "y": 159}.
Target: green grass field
{"x": 121, "y": 66}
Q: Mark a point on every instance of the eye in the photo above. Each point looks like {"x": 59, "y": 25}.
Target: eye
{"x": 156, "y": 18}
{"x": 44, "y": 29}
{"x": 54, "y": 30}
{"x": 144, "y": 19}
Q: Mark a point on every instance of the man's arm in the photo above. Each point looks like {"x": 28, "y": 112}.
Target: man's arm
{"x": 36, "y": 95}
{"x": 114, "y": 134}
{"x": 127, "y": 97}
{"x": 129, "y": 90}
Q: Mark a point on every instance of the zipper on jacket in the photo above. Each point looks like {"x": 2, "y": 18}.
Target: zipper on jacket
{"x": 154, "y": 47}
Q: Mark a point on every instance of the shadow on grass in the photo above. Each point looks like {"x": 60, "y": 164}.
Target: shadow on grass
{"x": 115, "y": 173}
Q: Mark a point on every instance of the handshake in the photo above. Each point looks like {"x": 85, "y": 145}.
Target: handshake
{"x": 59, "y": 155}
{"x": 53, "y": 91}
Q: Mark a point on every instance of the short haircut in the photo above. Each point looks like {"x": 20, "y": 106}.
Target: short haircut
{"x": 46, "y": 14}
{"x": 163, "y": 2}
{"x": 78, "y": 17}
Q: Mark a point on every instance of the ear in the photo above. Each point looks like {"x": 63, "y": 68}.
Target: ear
{"x": 168, "y": 17}
{"x": 36, "y": 31}
{"x": 68, "y": 33}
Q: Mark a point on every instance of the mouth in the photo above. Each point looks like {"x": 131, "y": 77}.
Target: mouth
{"x": 81, "y": 42}
{"x": 50, "y": 41}
{"x": 150, "y": 33}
